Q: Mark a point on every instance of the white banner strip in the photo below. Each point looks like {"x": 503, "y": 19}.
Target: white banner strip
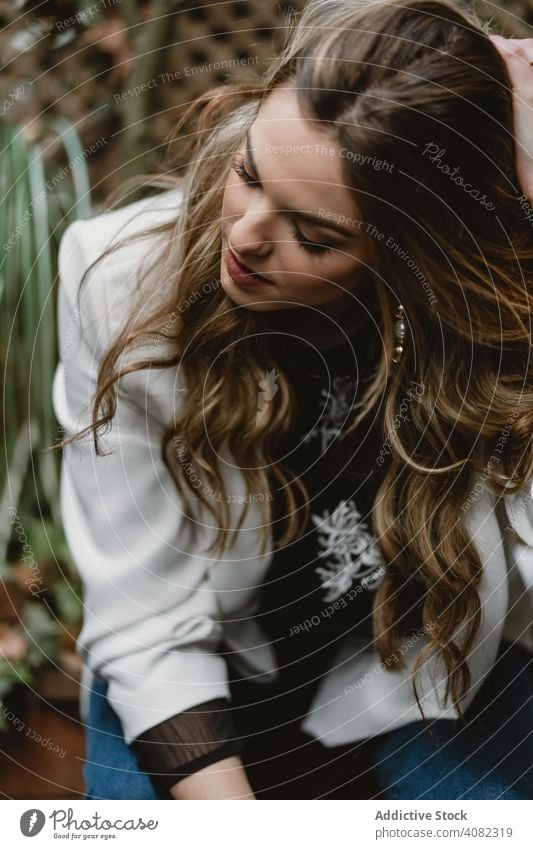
{"x": 313, "y": 824}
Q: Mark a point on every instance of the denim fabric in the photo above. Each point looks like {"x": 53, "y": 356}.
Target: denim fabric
{"x": 110, "y": 770}
{"x": 490, "y": 758}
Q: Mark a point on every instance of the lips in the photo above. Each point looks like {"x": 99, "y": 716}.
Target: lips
{"x": 241, "y": 274}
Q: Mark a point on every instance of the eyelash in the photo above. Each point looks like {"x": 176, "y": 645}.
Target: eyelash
{"x": 238, "y": 166}
{"x": 313, "y": 248}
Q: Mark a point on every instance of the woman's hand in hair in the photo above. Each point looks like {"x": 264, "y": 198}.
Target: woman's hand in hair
{"x": 517, "y": 54}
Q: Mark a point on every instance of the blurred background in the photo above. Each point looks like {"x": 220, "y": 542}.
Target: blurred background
{"x": 90, "y": 92}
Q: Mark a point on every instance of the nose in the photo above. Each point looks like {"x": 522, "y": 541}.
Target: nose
{"x": 250, "y": 235}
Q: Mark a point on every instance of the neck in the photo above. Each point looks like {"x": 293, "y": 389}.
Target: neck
{"x": 327, "y": 325}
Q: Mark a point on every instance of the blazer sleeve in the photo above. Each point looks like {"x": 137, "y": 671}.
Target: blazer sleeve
{"x": 150, "y": 623}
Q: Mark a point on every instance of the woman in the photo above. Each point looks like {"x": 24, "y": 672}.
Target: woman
{"x": 270, "y": 582}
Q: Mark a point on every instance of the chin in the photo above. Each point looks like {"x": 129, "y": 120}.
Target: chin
{"x": 246, "y": 299}
{"x": 254, "y": 306}
{"x": 264, "y": 307}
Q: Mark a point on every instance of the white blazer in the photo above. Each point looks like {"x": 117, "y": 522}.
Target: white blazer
{"x": 155, "y": 605}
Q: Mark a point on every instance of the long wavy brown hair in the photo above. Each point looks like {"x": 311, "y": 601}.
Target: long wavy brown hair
{"x": 417, "y": 85}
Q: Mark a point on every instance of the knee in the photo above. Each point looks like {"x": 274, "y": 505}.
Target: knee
{"x": 450, "y": 781}
{"x": 411, "y": 766}
{"x": 104, "y": 782}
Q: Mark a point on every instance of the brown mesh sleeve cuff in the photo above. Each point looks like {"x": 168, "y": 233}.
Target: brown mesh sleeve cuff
{"x": 187, "y": 742}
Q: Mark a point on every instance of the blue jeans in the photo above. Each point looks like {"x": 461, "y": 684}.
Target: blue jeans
{"x": 489, "y": 758}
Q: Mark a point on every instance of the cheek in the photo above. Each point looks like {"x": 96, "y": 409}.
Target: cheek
{"x": 346, "y": 268}
{"x": 326, "y": 276}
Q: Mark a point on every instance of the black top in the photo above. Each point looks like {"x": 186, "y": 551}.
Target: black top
{"x": 319, "y": 588}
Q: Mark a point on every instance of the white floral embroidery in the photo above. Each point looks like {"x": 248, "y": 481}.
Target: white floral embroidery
{"x": 337, "y": 405}
{"x": 351, "y": 549}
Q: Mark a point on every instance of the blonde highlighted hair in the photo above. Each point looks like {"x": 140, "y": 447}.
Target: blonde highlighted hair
{"x": 388, "y": 80}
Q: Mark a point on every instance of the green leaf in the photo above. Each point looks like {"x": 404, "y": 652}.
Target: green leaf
{"x": 42, "y": 633}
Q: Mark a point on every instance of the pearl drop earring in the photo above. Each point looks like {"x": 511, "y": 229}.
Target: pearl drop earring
{"x": 399, "y": 331}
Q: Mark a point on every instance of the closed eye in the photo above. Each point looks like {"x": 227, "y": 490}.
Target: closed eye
{"x": 238, "y": 167}
{"x": 308, "y": 245}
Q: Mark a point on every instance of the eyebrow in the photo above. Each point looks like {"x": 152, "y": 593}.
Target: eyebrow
{"x": 307, "y": 216}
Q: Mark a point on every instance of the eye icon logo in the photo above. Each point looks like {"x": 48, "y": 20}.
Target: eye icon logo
{"x": 32, "y": 822}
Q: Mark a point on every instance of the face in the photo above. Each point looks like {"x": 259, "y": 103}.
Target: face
{"x": 288, "y": 216}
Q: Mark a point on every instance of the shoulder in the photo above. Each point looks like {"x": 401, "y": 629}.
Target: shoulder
{"x": 107, "y": 295}
{"x": 92, "y": 236}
